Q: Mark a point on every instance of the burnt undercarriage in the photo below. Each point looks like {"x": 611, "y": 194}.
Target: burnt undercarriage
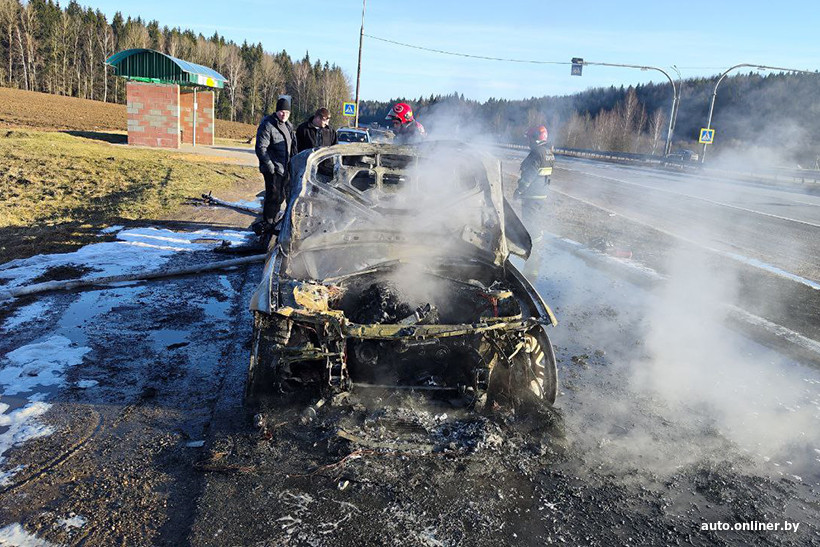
{"x": 405, "y": 328}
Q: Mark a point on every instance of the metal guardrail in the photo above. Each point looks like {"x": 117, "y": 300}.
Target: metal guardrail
{"x": 608, "y": 155}
{"x": 776, "y": 174}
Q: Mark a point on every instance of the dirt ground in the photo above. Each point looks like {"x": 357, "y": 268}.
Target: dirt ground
{"x": 163, "y": 452}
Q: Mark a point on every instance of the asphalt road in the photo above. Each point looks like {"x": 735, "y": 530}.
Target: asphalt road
{"x": 778, "y": 225}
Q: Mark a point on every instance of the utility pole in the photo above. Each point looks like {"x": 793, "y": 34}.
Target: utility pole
{"x": 578, "y": 62}
{"x": 728, "y": 70}
{"x": 359, "y": 69}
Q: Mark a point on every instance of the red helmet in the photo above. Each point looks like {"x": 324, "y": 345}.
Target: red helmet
{"x": 537, "y": 133}
{"x": 401, "y": 112}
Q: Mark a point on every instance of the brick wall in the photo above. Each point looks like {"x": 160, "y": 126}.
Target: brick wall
{"x": 204, "y": 118}
{"x": 153, "y": 114}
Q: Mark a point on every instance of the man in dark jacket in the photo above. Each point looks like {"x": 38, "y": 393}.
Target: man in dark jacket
{"x": 275, "y": 144}
{"x": 316, "y": 131}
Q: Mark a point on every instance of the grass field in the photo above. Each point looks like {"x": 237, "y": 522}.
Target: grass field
{"x": 29, "y": 109}
{"x": 58, "y": 190}
{"x": 62, "y": 180}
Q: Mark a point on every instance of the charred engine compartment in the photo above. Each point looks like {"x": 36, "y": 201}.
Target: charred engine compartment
{"x": 424, "y": 362}
{"x": 448, "y": 329}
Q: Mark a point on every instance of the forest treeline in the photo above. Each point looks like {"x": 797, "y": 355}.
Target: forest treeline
{"x": 47, "y": 48}
{"x": 776, "y": 112}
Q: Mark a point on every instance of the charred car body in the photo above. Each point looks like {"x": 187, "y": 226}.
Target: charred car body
{"x": 391, "y": 270}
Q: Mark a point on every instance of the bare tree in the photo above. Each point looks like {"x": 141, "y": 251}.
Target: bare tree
{"x": 272, "y": 81}
{"x": 136, "y": 36}
{"x": 89, "y": 51}
{"x": 106, "y": 41}
{"x": 8, "y": 18}
{"x": 657, "y": 123}
{"x": 234, "y": 71}
{"x": 207, "y": 53}
{"x": 575, "y": 131}
{"x": 333, "y": 89}
{"x": 302, "y": 75}
{"x": 25, "y": 43}
{"x": 604, "y": 129}
{"x": 172, "y": 43}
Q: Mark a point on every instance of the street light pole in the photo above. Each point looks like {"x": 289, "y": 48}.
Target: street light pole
{"x": 728, "y": 70}
{"x": 359, "y": 69}
{"x": 675, "y": 95}
{"x": 673, "y": 116}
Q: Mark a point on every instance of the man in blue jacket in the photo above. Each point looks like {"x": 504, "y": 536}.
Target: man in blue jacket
{"x": 275, "y": 144}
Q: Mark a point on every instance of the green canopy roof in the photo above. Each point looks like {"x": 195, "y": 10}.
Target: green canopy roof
{"x": 153, "y": 66}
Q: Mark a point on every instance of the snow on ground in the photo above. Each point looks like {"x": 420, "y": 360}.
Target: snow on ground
{"x": 26, "y": 314}
{"x": 137, "y": 250}
{"x": 257, "y": 203}
{"x": 14, "y": 535}
{"x": 39, "y": 364}
{"x": 28, "y": 374}
{"x": 22, "y": 425}
{"x": 75, "y": 521}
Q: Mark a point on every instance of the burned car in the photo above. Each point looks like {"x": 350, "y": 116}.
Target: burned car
{"x": 392, "y": 271}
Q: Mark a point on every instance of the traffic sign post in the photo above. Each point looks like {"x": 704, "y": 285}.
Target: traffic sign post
{"x": 349, "y": 110}
{"x": 707, "y": 136}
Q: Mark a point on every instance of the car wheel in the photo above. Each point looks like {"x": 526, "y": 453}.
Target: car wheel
{"x": 531, "y": 373}
{"x": 262, "y": 373}
{"x": 539, "y": 366}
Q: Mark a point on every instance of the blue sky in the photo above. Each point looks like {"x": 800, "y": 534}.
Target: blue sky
{"x": 701, "y": 38}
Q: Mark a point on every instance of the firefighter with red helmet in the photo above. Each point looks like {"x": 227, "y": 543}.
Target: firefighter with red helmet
{"x": 405, "y": 126}
{"x": 532, "y": 190}
{"x": 536, "y": 167}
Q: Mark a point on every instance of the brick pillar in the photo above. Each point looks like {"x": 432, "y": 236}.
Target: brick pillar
{"x": 186, "y": 116}
{"x": 204, "y": 117}
{"x": 153, "y": 114}
{"x": 205, "y": 126}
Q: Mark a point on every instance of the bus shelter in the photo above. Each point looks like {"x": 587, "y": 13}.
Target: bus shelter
{"x": 170, "y": 102}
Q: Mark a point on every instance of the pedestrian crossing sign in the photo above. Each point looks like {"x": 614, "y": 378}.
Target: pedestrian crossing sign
{"x": 707, "y": 136}
{"x": 349, "y": 109}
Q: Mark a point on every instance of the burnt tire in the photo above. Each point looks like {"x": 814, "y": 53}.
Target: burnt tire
{"x": 262, "y": 370}
{"x": 539, "y": 364}
{"x": 532, "y": 373}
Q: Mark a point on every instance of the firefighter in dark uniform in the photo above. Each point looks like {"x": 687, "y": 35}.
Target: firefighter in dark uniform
{"x": 532, "y": 191}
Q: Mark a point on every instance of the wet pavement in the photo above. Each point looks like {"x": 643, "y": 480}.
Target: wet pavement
{"x": 666, "y": 421}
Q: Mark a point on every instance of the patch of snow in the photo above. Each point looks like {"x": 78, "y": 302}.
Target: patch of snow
{"x": 5, "y": 476}
{"x": 39, "y": 364}
{"x": 33, "y": 311}
{"x": 22, "y": 426}
{"x": 14, "y": 535}
{"x": 257, "y": 203}
{"x": 139, "y": 249}
{"x": 85, "y": 384}
{"x": 111, "y": 229}
{"x": 75, "y": 521}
